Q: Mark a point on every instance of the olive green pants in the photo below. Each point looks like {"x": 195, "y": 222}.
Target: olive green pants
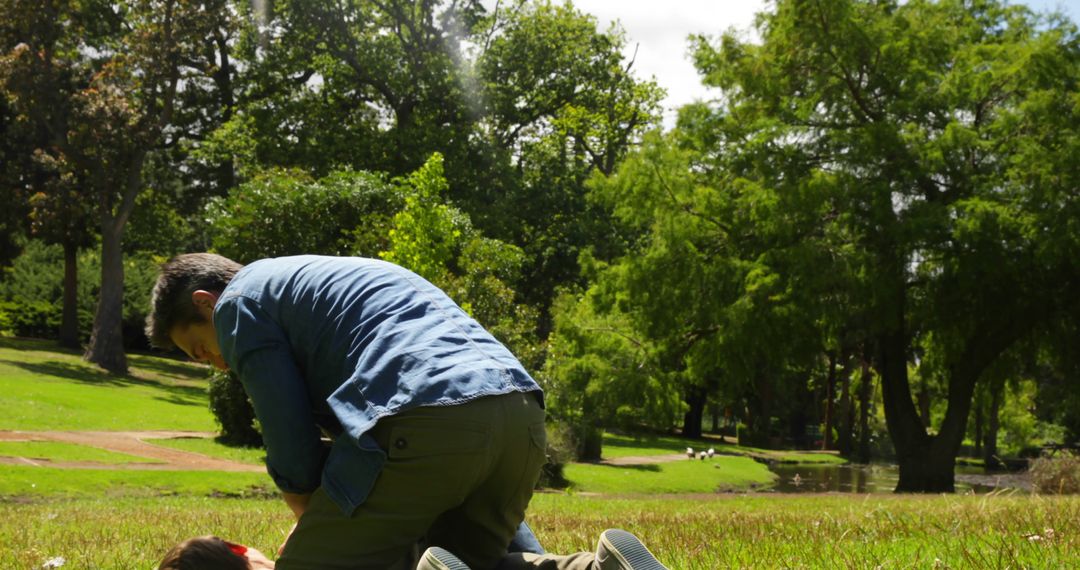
{"x": 459, "y": 477}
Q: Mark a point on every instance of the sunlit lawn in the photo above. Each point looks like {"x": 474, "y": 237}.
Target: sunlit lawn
{"x": 43, "y": 388}
{"x": 720, "y": 473}
{"x": 622, "y": 445}
{"x": 209, "y": 447}
{"x": 105, "y": 518}
{"x": 699, "y": 532}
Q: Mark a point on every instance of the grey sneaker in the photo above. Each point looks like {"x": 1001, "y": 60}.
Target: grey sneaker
{"x": 620, "y": 550}
{"x": 436, "y": 558}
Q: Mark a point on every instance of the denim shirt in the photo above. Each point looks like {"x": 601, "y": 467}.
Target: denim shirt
{"x": 337, "y": 343}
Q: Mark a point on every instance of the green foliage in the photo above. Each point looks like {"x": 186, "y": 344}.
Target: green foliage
{"x": 233, "y": 411}
{"x": 427, "y": 233}
{"x": 33, "y": 319}
{"x": 901, "y": 152}
{"x": 437, "y": 240}
{"x": 157, "y": 227}
{"x": 282, "y": 212}
{"x": 32, "y": 289}
{"x": 598, "y": 374}
{"x": 563, "y": 104}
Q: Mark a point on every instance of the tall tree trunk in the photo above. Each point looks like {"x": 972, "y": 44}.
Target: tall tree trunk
{"x": 715, "y": 411}
{"x": 920, "y": 469}
{"x": 830, "y": 383}
{"x": 695, "y": 397}
{"x": 223, "y": 79}
{"x": 978, "y": 426}
{"x": 846, "y": 420}
{"x": 990, "y": 451}
{"x": 866, "y": 385}
{"x": 106, "y": 347}
{"x": 69, "y": 321}
{"x": 761, "y": 429}
{"x": 590, "y": 437}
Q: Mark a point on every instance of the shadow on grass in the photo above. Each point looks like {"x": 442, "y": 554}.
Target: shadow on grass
{"x": 183, "y": 395}
{"x": 23, "y": 344}
{"x": 163, "y": 364}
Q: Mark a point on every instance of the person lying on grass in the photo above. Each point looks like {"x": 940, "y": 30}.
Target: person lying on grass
{"x": 616, "y": 549}
{"x": 213, "y": 553}
{"x": 438, "y": 429}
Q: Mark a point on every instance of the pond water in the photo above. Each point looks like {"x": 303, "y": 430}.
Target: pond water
{"x": 805, "y": 478}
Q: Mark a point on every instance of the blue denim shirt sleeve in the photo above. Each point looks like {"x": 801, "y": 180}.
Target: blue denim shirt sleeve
{"x": 256, "y": 348}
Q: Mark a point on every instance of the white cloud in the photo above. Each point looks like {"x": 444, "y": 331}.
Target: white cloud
{"x": 659, "y": 32}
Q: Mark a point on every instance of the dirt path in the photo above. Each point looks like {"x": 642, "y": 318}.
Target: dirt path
{"x": 129, "y": 442}
{"x": 644, "y": 459}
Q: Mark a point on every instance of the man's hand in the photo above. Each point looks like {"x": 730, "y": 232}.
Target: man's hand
{"x": 287, "y": 537}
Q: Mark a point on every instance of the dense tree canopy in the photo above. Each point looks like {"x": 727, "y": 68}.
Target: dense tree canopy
{"x": 884, "y": 182}
{"x": 879, "y": 210}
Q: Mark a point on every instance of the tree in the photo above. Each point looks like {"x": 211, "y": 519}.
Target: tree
{"x": 123, "y": 116}
{"x": 438, "y": 241}
{"x": 285, "y": 212}
{"x": 929, "y": 127}
{"x": 40, "y": 76}
{"x": 14, "y": 205}
{"x": 562, "y": 103}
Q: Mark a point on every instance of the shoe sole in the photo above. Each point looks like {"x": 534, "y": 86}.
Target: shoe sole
{"x": 443, "y": 560}
{"x": 629, "y": 551}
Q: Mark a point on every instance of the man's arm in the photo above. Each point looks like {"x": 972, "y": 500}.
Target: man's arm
{"x": 297, "y": 502}
{"x": 259, "y": 352}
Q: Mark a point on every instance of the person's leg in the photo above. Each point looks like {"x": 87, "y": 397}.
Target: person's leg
{"x": 525, "y": 541}
{"x": 481, "y": 528}
{"x": 439, "y": 459}
{"x": 615, "y": 550}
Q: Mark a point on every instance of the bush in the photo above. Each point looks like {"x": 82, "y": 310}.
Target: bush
{"x": 561, "y": 448}
{"x": 29, "y": 318}
{"x": 31, "y": 292}
{"x": 283, "y": 212}
{"x": 1056, "y": 475}
{"x": 233, "y": 411}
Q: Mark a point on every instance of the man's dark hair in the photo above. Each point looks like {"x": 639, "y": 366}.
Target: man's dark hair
{"x": 170, "y": 303}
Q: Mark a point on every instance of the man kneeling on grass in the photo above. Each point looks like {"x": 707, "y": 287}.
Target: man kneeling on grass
{"x": 438, "y": 430}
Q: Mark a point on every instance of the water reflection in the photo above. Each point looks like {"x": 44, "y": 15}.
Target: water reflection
{"x": 803, "y": 478}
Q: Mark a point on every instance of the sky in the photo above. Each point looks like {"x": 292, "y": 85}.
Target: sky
{"x": 658, "y": 31}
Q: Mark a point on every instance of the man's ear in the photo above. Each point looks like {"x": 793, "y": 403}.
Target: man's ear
{"x": 204, "y": 302}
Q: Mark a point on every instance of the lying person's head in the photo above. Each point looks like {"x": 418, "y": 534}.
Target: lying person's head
{"x": 213, "y": 553}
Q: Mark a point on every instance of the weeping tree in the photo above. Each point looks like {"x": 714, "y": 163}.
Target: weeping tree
{"x": 943, "y": 135}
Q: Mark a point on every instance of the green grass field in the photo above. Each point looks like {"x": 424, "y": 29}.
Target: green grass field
{"x": 42, "y": 388}
{"x": 698, "y": 532}
{"x": 209, "y": 447}
{"x": 621, "y": 445}
{"x": 112, "y": 518}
